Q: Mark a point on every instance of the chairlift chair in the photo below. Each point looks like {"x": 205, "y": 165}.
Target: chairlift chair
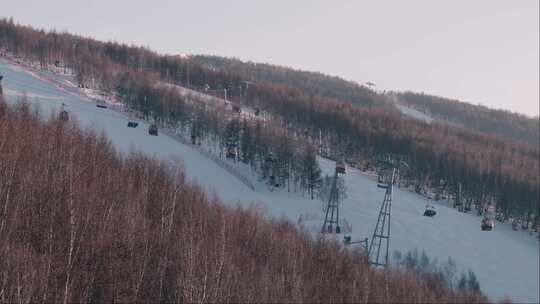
{"x": 153, "y": 130}
{"x": 383, "y": 180}
{"x": 270, "y": 158}
{"x": 64, "y": 116}
{"x": 340, "y": 167}
{"x": 487, "y": 224}
{"x": 330, "y": 229}
{"x": 101, "y": 105}
{"x": 231, "y": 151}
{"x": 430, "y": 211}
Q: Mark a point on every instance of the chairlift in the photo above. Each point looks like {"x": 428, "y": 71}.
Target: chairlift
{"x": 231, "y": 151}
{"x": 383, "y": 181}
{"x": 430, "y": 211}
{"x": 487, "y": 224}
{"x": 330, "y": 229}
{"x": 101, "y": 105}
{"x": 340, "y": 167}
{"x": 153, "y": 130}
{"x": 132, "y": 124}
{"x": 270, "y": 157}
{"x": 64, "y": 115}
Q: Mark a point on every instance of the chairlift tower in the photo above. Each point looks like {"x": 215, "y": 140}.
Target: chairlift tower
{"x": 332, "y": 208}
{"x": 381, "y": 235}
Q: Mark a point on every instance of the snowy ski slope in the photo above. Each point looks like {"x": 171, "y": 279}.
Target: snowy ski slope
{"x": 505, "y": 262}
{"x": 414, "y": 113}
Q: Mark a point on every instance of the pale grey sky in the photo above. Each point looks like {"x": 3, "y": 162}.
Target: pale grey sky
{"x": 480, "y": 51}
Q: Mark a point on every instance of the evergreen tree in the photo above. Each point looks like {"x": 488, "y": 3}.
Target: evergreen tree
{"x": 472, "y": 283}
{"x": 246, "y": 144}
{"x": 312, "y": 171}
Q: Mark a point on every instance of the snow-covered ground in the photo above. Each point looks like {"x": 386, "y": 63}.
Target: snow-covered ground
{"x": 414, "y": 113}
{"x": 408, "y": 111}
{"x": 506, "y": 262}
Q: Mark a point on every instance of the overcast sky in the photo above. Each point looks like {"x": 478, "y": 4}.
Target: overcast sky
{"x": 480, "y": 51}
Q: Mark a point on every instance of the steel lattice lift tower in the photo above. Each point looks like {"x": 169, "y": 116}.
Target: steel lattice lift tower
{"x": 381, "y": 235}
{"x": 332, "y": 208}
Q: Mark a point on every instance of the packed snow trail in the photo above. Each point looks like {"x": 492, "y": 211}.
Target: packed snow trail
{"x": 505, "y": 262}
{"x": 414, "y": 113}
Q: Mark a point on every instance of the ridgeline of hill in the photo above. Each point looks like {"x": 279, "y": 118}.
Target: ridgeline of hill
{"x": 314, "y": 83}
{"x": 475, "y": 117}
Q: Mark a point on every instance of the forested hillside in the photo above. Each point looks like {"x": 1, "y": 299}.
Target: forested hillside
{"x": 492, "y": 169}
{"x": 476, "y": 117}
{"x": 81, "y": 223}
{"x": 316, "y": 84}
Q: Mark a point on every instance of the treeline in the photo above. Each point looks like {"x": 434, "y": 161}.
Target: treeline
{"x": 100, "y": 65}
{"x": 81, "y": 223}
{"x": 476, "y": 117}
{"x": 491, "y": 169}
{"x": 281, "y": 158}
{"x": 315, "y": 83}
{"x": 432, "y": 270}
{"x": 132, "y": 73}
